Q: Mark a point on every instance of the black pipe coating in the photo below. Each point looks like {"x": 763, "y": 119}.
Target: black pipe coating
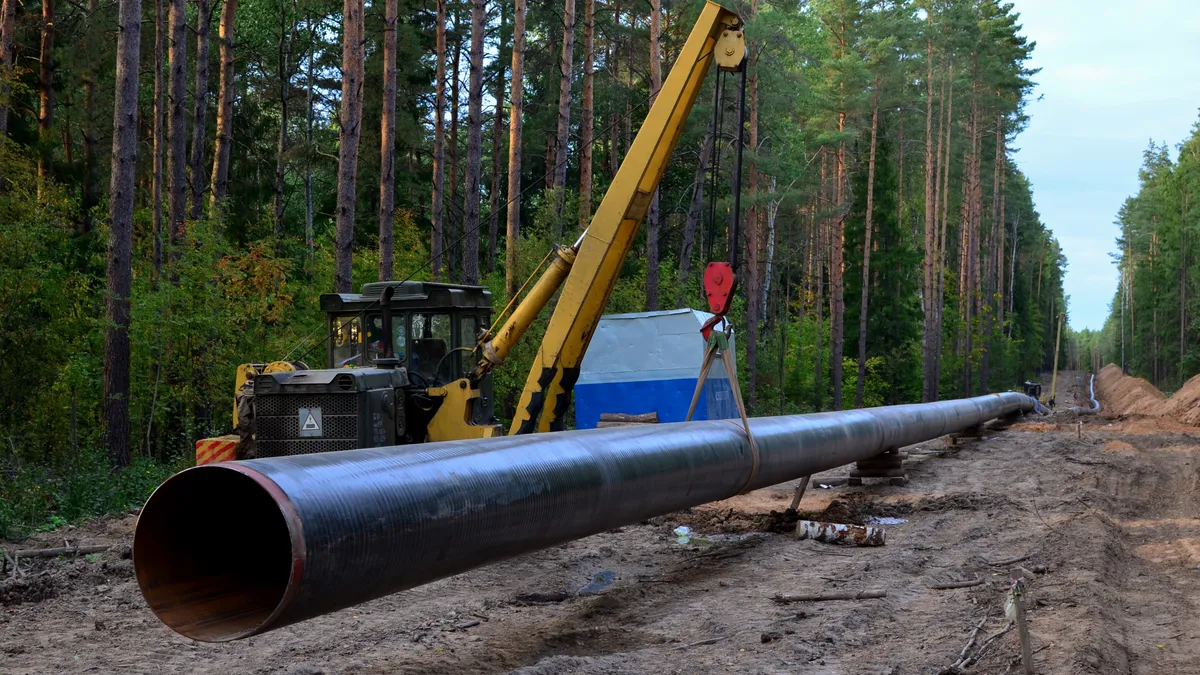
{"x": 224, "y": 551}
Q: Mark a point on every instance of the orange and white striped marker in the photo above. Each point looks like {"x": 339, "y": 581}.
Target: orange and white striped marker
{"x": 220, "y": 449}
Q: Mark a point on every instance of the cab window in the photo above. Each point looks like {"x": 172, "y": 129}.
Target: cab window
{"x": 468, "y": 327}
{"x": 431, "y": 341}
{"x": 346, "y": 335}
{"x": 375, "y": 338}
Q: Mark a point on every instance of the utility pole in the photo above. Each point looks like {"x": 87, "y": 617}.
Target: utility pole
{"x": 1062, "y": 317}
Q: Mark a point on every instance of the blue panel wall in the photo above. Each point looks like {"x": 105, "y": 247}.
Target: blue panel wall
{"x": 669, "y": 398}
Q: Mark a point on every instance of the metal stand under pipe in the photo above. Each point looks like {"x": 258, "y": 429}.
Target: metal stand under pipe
{"x": 229, "y": 550}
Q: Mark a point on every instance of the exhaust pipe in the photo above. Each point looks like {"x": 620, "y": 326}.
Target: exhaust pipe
{"x": 229, "y": 550}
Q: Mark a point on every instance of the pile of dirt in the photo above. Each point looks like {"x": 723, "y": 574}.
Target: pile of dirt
{"x": 1184, "y": 405}
{"x": 1121, "y": 394}
{"x": 1118, "y": 447}
{"x": 1036, "y": 427}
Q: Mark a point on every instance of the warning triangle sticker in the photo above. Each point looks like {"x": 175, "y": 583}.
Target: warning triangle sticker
{"x": 310, "y": 424}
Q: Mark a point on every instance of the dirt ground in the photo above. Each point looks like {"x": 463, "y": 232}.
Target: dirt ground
{"x": 1107, "y": 523}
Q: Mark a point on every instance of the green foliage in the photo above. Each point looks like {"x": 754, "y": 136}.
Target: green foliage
{"x": 34, "y": 497}
{"x": 247, "y": 289}
{"x": 1152, "y": 329}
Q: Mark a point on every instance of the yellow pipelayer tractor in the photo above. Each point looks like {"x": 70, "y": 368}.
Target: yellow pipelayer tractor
{"x": 409, "y": 362}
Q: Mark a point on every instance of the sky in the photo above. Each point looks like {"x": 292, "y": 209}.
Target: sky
{"x": 1115, "y": 74}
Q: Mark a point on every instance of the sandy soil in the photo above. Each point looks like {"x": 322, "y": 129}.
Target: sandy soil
{"x": 1112, "y": 517}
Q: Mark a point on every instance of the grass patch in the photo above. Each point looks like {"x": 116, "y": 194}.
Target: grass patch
{"x": 37, "y": 499}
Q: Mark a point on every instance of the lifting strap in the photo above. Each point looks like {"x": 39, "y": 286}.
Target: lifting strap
{"x": 718, "y": 343}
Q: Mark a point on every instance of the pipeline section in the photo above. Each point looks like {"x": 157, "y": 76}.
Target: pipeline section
{"x": 1093, "y": 403}
{"x": 229, "y": 550}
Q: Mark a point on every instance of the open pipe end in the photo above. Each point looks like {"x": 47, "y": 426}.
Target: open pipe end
{"x": 218, "y": 552}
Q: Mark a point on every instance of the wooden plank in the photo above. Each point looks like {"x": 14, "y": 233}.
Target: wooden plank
{"x": 643, "y": 418}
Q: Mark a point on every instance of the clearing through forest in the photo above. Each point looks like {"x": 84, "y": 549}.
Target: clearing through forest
{"x": 1106, "y": 521}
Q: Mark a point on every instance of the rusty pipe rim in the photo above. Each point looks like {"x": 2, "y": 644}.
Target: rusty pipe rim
{"x": 218, "y": 552}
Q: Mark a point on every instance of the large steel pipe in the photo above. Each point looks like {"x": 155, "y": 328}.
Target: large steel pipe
{"x": 225, "y": 551}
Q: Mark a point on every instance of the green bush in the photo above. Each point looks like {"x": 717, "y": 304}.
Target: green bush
{"x": 41, "y": 498}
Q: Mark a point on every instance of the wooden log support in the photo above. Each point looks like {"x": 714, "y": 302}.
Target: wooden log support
{"x": 823, "y": 597}
{"x": 970, "y": 433}
{"x": 878, "y": 473}
{"x": 837, "y": 533}
{"x": 55, "y": 552}
{"x": 608, "y": 420}
{"x": 888, "y": 464}
{"x": 644, "y": 418}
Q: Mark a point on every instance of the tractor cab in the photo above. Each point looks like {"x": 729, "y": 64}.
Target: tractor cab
{"x": 389, "y": 348}
{"x": 434, "y": 328}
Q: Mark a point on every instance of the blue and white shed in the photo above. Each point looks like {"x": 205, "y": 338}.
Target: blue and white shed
{"x": 649, "y": 362}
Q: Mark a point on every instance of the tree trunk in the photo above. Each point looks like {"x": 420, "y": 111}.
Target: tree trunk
{"x": 866, "y": 271}
{"x": 837, "y": 267}
{"x": 281, "y": 147}
{"x": 614, "y": 125}
{"x": 453, "y": 268}
{"x": 515, "y": 127}
{"x": 900, "y": 175}
{"x": 962, "y": 345}
{"x": 1003, "y": 225}
{"x": 695, "y": 210}
{"x": 200, "y": 111}
{"x": 819, "y": 254}
{"x": 751, "y": 221}
{"x": 474, "y": 146}
{"x": 90, "y": 193}
{"x": 119, "y": 280}
{"x": 627, "y": 120}
{"x": 941, "y": 156}
{"x": 940, "y": 301}
{"x": 558, "y": 175}
{"x": 351, "y": 129}
{"x": 308, "y": 139}
{"x": 587, "y": 114}
{"x": 45, "y": 93}
{"x": 177, "y": 127}
{"x": 1012, "y": 272}
{"x": 159, "y": 112}
{"x": 497, "y": 146}
{"x": 387, "y": 145}
{"x": 929, "y": 339}
{"x": 995, "y": 266}
{"x": 225, "y": 96}
{"x": 769, "y": 267}
{"x": 1132, "y": 298}
{"x": 439, "y": 144}
{"x": 1183, "y": 265}
{"x": 8, "y": 27}
{"x": 652, "y": 214}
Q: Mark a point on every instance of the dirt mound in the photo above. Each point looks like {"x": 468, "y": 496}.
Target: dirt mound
{"x": 1124, "y": 395}
{"x": 1118, "y": 447}
{"x": 1035, "y": 427}
{"x": 44, "y": 578}
{"x": 1184, "y": 405}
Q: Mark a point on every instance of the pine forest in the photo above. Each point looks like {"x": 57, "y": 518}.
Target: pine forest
{"x": 180, "y": 181}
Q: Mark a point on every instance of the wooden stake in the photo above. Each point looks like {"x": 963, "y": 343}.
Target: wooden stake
{"x": 799, "y": 493}
{"x": 1023, "y": 631}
